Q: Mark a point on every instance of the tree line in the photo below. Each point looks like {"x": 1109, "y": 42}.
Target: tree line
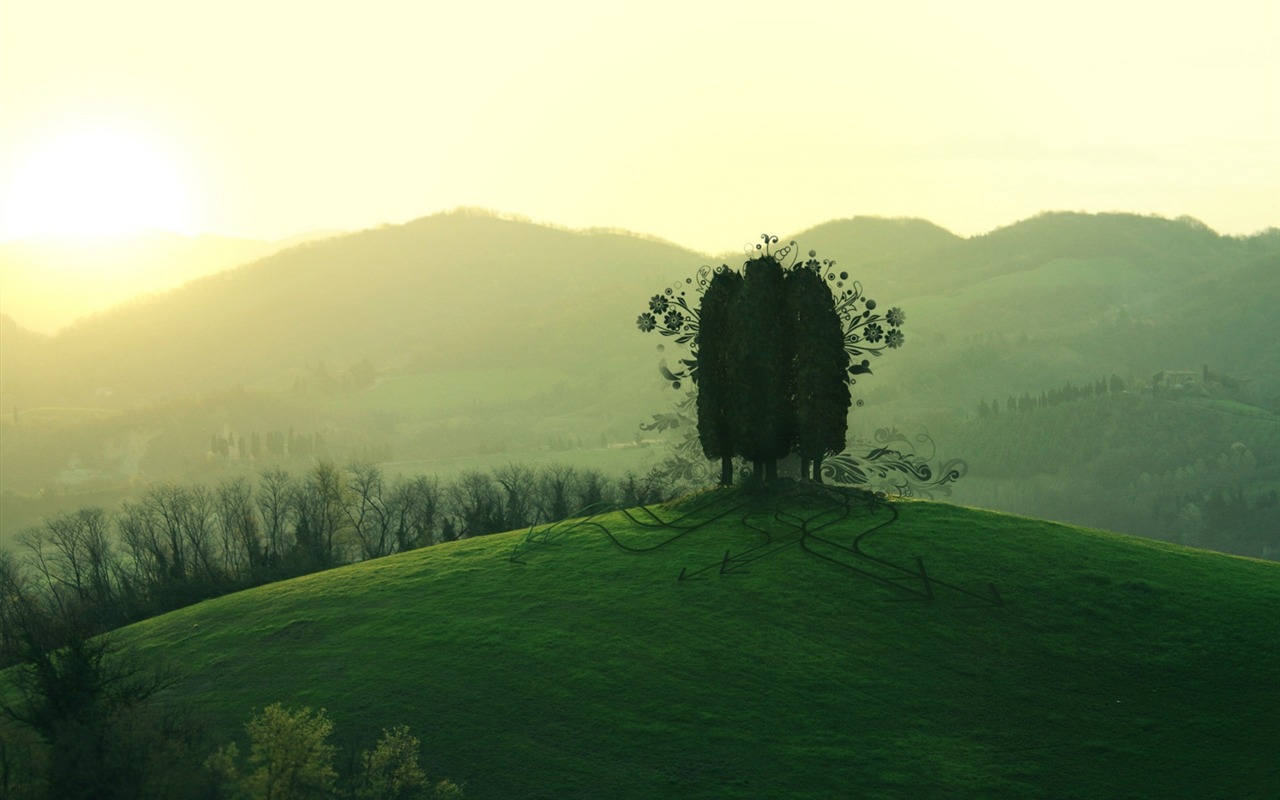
{"x": 1067, "y": 393}
{"x": 83, "y": 719}
{"x": 179, "y": 544}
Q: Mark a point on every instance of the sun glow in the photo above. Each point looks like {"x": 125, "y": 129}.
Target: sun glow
{"x": 97, "y": 180}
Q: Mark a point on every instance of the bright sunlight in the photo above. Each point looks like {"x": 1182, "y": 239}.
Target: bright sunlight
{"x": 97, "y": 180}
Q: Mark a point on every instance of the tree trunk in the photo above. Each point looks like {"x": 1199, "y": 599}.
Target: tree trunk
{"x": 817, "y": 469}
{"x": 726, "y": 470}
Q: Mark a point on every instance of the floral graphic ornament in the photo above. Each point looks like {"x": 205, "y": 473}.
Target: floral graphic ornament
{"x": 867, "y": 331}
{"x": 773, "y": 349}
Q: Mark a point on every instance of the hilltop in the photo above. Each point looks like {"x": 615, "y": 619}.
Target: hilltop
{"x": 556, "y": 663}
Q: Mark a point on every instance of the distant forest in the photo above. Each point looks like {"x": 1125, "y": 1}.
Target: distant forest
{"x": 1168, "y": 465}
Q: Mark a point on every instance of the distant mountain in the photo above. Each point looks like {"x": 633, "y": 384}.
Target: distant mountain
{"x": 48, "y": 283}
{"x": 915, "y": 256}
{"x": 473, "y": 287}
{"x": 21, "y": 349}
{"x": 1068, "y": 296}
{"x": 431, "y": 291}
{"x": 875, "y": 249}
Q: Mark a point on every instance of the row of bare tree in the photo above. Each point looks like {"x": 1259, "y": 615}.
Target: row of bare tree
{"x": 179, "y": 544}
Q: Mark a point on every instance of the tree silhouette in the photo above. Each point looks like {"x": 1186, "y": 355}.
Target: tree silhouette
{"x": 715, "y": 388}
{"x": 763, "y": 416}
{"x": 773, "y": 352}
{"x": 819, "y": 362}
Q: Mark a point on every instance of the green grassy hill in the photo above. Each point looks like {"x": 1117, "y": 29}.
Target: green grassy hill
{"x": 564, "y": 663}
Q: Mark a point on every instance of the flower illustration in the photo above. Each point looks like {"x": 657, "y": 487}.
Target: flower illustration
{"x": 894, "y": 338}
{"x": 658, "y": 304}
{"x": 646, "y": 322}
{"x": 896, "y": 317}
{"x": 673, "y": 320}
{"x": 874, "y": 333}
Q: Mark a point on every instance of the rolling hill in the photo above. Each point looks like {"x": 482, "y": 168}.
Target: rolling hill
{"x": 436, "y": 291}
{"x": 470, "y": 287}
{"x": 481, "y": 336}
{"x": 798, "y": 657}
{"x": 50, "y": 283}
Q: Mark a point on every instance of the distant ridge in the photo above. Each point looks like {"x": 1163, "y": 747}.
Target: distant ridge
{"x": 50, "y": 282}
{"x": 460, "y": 277}
{"x": 474, "y": 282}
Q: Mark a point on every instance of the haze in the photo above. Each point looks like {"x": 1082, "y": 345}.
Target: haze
{"x": 699, "y": 123}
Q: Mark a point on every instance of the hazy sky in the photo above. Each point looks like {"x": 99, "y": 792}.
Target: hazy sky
{"x": 700, "y": 122}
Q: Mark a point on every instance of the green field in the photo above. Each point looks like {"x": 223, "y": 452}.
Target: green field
{"x": 1229, "y": 406}
{"x": 565, "y": 663}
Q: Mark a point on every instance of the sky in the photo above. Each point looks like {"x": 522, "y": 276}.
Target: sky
{"x": 704, "y": 123}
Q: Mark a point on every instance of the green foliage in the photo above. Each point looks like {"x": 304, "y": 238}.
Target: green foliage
{"x": 290, "y": 757}
{"x": 715, "y": 389}
{"x": 763, "y": 418}
{"x": 821, "y": 386}
{"x": 390, "y": 770}
{"x": 81, "y": 721}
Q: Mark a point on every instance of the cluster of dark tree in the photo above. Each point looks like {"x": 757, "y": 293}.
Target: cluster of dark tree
{"x": 87, "y": 720}
{"x": 1227, "y": 518}
{"x": 771, "y": 353}
{"x": 176, "y": 545}
{"x": 277, "y": 444}
{"x": 81, "y": 720}
{"x": 1067, "y": 393}
{"x": 772, "y": 369}
{"x": 360, "y": 375}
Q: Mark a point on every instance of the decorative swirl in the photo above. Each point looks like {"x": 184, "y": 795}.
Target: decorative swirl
{"x": 703, "y": 278}
{"x": 895, "y": 466}
{"x": 764, "y": 245}
{"x": 782, "y": 253}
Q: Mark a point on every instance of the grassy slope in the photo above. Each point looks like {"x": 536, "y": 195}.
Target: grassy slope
{"x": 1118, "y": 666}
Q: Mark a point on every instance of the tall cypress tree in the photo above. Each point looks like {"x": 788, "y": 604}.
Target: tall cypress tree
{"x": 820, "y": 389}
{"x": 715, "y": 392}
{"x": 763, "y": 418}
